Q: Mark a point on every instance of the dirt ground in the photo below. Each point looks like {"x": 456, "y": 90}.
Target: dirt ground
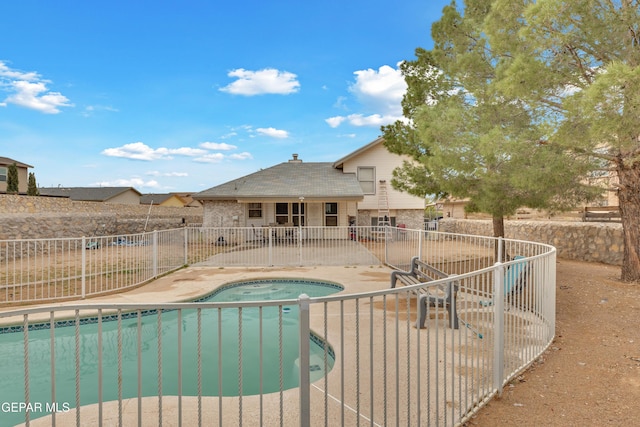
{"x": 590, "y": 375}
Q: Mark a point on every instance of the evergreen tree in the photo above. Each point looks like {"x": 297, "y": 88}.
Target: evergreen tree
{"x": 577, "y": 63}
{"x": 12, "y": 179}
{"x": 474, "y": 142}
{"x": 32, "y": 188}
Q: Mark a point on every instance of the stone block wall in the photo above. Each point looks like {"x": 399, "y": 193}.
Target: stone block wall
{"x": 585, "y": 241}
{"x": 28, "y": 217}
{"x": 223, "y": 213}
{"x": 412, "y": 218}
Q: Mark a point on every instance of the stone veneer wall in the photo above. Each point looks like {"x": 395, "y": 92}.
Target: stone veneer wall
{"x": 585, "y": 241}
{"x": 412, "y": 218}
{"x": 223, "y": 213}
{"x": 28, "y": 217}
{"x": 25, "y": 217}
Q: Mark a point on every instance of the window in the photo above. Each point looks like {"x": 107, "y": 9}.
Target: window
{"x": 3, "y": 174}
{"x": 298, "y": 217}
{"x": 255, "y": 210}
{"x": 282, "y": 213}
{"x": 331, "y": 214}
{"x": 367, "y": 179}
{"x": 287, "y": 213}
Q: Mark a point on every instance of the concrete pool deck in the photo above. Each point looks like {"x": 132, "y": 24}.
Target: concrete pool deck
{"x": 195, "y": 281}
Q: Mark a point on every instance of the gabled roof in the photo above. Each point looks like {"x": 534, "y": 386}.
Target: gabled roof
{"x": 338, "y": 164}
{"x": 289, "y": 181}
{"x": 86, "y": 194}
{"x": 5, "y": 161}
{"x": 157, "y": 198}
{"x": 188, "y": 199}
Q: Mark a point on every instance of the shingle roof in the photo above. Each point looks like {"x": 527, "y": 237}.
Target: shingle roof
{"x": 156, "y": 198}
{"x": 5, "y": 161}
{"x": 339, "y": 163}
{"x": 289, "y": 180}
{"x": 87, "y": 194}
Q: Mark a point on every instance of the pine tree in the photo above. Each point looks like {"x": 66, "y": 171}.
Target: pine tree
{"x": 12, "y": 179}
{"x": 32, "y": 188}
{"x": 578, "y": 64}
{"x": 473, "y": 141}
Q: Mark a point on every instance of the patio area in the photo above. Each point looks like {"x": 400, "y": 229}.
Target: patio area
{"x": 386, "y": 370}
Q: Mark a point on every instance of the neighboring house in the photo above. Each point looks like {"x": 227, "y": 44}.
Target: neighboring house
{"x": 167, "y": 199}
{"x": 189, "y": 201}
{"x": 354, "y": 189}
{"x": 121, "y": 195}
{"x": 451, "y": 207}
{"x": 23, "y": 174}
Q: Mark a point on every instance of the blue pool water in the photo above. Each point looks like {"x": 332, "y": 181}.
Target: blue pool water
{"x": 12, "y": 352}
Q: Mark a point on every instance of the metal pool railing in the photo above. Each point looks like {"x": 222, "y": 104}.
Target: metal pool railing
{"x": 377, "y": 367}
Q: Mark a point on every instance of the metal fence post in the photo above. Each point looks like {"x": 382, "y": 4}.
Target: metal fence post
{"x": 299, "y": 244}
{"x": 186, "y": 245}
{"x": 498, "y": 327}
{"x": 155, "y": 253}
{"x": 84, "y": 267}
{"x": 304, "y": 353}
{"x": 386, "y": 246}
{"x": 270, "y": 246}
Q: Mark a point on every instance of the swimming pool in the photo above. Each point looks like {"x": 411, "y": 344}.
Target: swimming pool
{"x": 274, "y": 326}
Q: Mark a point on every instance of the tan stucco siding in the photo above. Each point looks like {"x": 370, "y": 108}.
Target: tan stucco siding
{"x": 126, "y": 198}
{"x": 23, "y": 180}
{"x": 173, "y": 202}
{"x": 384, "y": 162}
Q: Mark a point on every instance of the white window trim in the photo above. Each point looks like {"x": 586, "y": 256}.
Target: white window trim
{"x": 336, "y": 215}
{"x": 373, "y": 179}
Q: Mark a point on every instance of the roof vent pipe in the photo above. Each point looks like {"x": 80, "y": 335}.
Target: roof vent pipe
{"x": 295, "y": 159}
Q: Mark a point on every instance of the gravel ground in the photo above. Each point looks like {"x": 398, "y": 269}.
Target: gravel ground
{"x": 590, "y": 375}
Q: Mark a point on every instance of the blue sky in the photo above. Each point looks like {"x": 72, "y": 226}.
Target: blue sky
{"x": 181, "y": 96}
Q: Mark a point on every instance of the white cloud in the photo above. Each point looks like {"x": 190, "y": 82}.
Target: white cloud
{"x": 380, "y": 90}
{"x": 379, "y": 93}
{"x": 360, "y": 120}
{"x": 132, "y": 182}
{"x": 182, "y": 151}
{"x": 168, "y": 174}
{"x": 370, "y": 120}
{"x": 336, "y": 121}
{"x": 217, "y": 146}
{"x": 29, "y": 90}
{"x": 219, "y": 157}
{"x": 273, "y": 133}
{"x": 241, "y": 156}
{"x": 340, "y": 103}
{"x": 91, "y": 109}
{"x": 229, "y": 135}
{"x": 141, "y": 151}
{"x": 8, "y": 73}
{"x": 266, "y": 81}
{"x": 210, "y": 158}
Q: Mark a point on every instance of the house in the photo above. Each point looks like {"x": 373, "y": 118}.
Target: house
{"x": 355, "y": 189}
{"x": 121, "y": 195}
{"x": 23, "y": 174}
{"x": 167, "y": 199}
{"x": 189, "y": 201}
{"x": 373, "y": 165}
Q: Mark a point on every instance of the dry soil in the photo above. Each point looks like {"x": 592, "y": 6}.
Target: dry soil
{"x": 590, "y": 375}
